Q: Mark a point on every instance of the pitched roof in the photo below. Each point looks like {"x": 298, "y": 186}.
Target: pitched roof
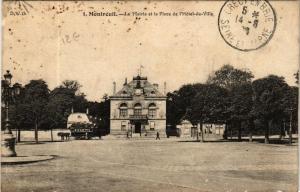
{"x": 78, "y": 118}
{"x": 149, "y": 90}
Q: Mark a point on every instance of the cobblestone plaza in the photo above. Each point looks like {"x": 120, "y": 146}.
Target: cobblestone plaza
{"x": 149, "y": 165}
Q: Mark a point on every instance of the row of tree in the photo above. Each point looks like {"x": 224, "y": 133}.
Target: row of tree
{"x": 39, "y": 108}
{"x": 230, "y": 96}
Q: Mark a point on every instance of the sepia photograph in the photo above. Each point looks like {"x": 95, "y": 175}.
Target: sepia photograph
{"x": 146, "y": 96}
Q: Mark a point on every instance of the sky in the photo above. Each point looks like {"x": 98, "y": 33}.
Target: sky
{"x": 55, "y": 42}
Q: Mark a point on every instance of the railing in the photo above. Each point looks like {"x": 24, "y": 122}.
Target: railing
{"x": 138, "y": 117}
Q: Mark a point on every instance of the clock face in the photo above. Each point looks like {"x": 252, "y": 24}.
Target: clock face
{"x": 138, "y": 91}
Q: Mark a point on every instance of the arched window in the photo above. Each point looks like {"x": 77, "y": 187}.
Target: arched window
{"x": 152, "y": 110}
{"x": 123, "y": 110}
{"x": 137, "y": 109}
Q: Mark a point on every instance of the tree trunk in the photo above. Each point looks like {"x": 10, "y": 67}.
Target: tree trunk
{"x": 282, "y": 130}
{"x": 19, "y": 135}
{"x": 197, "y": 132}
{"x": 239, "y": 131}
{"x": 251, "y": 128}
{"x": 225, "y": 132}
{"x": 16, "y": 140}
{"x": 36, "y": 132}
{"x": 250, "y": 136}
{"x": 290, "y": 131}
{"x": 267, "y": 140}
{"x": 201, "y": 128}
{"x": 230, "y": 132}
{"x": 51, "y": 134}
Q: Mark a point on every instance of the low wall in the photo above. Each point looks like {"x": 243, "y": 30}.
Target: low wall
{"x": 28, "y": 135}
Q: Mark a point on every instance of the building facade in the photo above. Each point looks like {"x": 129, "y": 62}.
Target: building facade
{"x": 185, "y": 127}
{"x": 138, "y": 108}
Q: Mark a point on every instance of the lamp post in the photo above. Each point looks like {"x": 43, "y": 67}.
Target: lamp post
{"x": 8, "y": 140}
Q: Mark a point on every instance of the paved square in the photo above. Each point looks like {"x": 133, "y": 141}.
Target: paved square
{"x": 149, "y": 165}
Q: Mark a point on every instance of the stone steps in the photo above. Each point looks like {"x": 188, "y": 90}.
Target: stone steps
{"x": 118, "y": 134}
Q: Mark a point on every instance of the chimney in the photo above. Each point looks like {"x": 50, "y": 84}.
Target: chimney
{"x": 125, "y": 83}
{"x": 114, "y": 87}
{"x": 155, "y": 85}
{"x": 87, "y": 111}
{"x": 165, "y": 88}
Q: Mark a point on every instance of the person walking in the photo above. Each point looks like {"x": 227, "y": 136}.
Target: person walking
{"x": 157, "y": 136}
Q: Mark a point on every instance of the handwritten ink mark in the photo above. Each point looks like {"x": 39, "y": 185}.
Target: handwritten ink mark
{"x": 69, "y": 38}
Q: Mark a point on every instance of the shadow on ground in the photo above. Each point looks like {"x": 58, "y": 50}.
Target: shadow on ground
{"x": 256, "y": 140}
{"x": 38, "y": 143}
{"x": 55, "y": 141}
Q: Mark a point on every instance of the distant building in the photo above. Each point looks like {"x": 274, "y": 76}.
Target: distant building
{"x": 78, "y": 118}
{"x": 188, "y": 130}
{"x": 138, "y": 108}
{"x": 217, "y": 129}
{"x": 185, "y": 128}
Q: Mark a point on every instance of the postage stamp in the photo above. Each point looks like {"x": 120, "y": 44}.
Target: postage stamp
{"x": 247, "y": 25}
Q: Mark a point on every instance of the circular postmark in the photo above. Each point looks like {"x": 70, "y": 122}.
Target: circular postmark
{"x": 247, "y": 24}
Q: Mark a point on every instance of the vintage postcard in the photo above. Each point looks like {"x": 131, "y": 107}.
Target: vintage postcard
{"x": 150, "y": 96}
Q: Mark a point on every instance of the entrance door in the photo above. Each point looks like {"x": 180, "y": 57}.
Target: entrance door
{"x": 137, "y": 128}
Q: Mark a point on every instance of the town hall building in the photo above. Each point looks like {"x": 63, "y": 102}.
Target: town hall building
{"x": 139, "y": 108}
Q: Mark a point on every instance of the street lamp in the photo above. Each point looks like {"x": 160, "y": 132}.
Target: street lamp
{"x": 8, "y": 92}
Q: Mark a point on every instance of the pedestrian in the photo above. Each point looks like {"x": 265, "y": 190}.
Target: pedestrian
{"x": 157, "y": 136}
{"x": 127, "y": 135}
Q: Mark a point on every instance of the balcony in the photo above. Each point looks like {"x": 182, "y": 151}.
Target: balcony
{"x": 138, "y": 117}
